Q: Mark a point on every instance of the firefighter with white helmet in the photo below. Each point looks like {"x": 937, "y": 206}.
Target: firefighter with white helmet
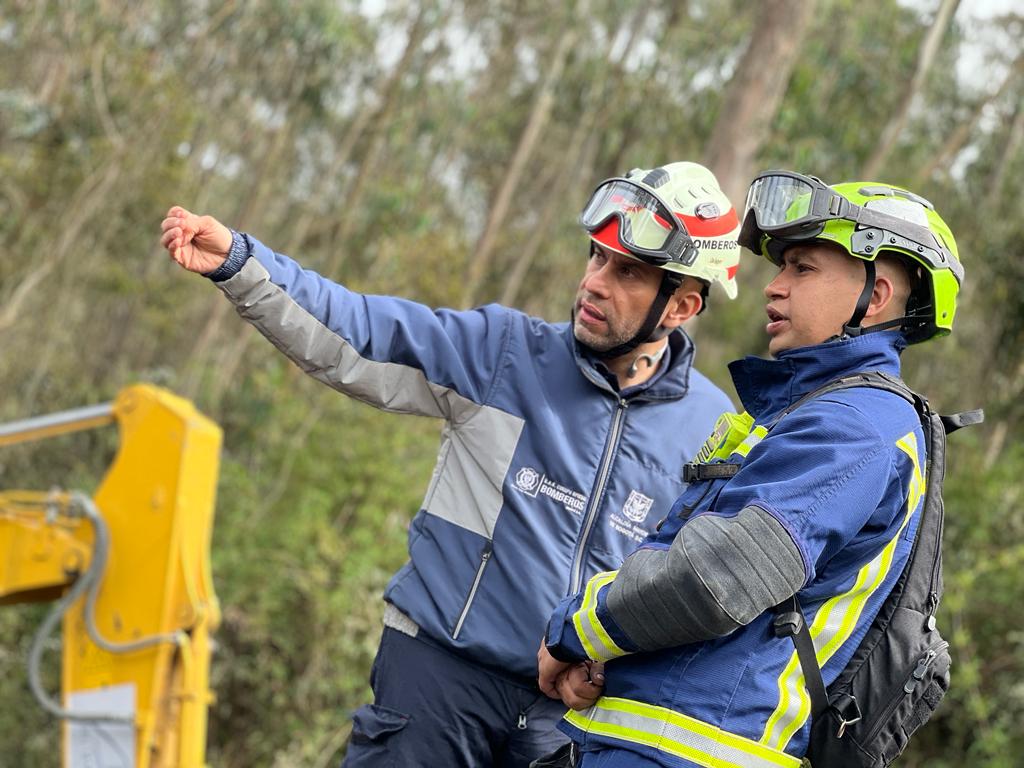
{"x": 562, "y": 445}
{"x": 675, "y": 218}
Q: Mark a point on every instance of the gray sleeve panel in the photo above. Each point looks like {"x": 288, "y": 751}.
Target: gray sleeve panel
{"x": 328, "y": 357}
{"x": 719, "y": 574}
{"x": 479, "y": 440}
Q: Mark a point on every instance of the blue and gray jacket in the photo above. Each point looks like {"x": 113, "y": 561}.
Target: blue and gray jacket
{"x": 825, "y": 506}
{"x": 546, "y": 473}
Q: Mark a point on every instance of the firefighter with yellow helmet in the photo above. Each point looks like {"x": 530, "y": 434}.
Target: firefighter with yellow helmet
{"x": 817, "y": 504}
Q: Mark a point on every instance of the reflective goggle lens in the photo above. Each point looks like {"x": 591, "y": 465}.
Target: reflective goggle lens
{"x": 779, "y": 200}
{"x": 644, "y": 222}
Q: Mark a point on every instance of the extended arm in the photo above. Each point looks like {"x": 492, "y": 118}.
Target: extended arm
{"x": 394, "y": 354}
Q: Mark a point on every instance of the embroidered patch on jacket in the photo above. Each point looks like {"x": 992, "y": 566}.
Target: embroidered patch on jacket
{"x": 637, "y": 506}
{"x": 630, "y": 521}
{"x": 533, "y": 483}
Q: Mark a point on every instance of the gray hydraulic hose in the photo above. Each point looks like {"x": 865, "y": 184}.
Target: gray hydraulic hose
{"x": 89, "y": 583}
{"x": 57, "y": 613}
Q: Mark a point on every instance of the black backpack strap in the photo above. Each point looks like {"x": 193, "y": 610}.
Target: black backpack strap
{"x": 789, "y": 617}
{"x": 955, "y": 421}
{"x": 873, "y": 379}
{"x": 790, "y": 622}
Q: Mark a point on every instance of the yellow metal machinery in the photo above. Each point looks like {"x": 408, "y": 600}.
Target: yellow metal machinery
{"x": 130, "y": 570}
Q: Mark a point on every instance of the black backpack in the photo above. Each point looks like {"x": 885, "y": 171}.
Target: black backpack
{"x": 900, "y": 671}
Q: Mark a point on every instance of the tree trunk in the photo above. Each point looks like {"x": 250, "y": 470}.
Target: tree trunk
{"x": 959, "y": 137}
{"x": 527, "y": 142}
{"x": 755, "y": 92}
{"x": 389, "y": 102}
{"x": 599, "y": 104}
{"x": 1010, "y": 151}
{"x": 895, "y": 126}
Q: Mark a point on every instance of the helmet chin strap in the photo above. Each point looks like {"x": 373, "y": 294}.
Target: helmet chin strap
{"x": 649, "y": 331}
{"x": 853, "y": 327}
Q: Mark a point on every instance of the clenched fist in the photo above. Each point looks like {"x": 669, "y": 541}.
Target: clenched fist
{"x": 198, "y": 243}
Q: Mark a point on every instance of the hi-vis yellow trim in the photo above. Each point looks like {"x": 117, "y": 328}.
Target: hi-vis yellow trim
{"x": 757, "y": 434}
{"x": 837, "y": 619}
{"x": 595, "y": 639}
{"x": 676, "y": 734}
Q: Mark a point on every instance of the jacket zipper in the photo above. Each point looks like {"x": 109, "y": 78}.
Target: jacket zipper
{"x": 905, "y": 690}
{"x": 575, "y": 575}
{"x": 484, "y": 557}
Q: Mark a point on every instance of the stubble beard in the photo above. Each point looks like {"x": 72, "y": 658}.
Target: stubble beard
{"x": 601, "y": 342}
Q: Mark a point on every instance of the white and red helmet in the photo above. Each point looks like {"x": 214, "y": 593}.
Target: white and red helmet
{"x": 675, "y": 217}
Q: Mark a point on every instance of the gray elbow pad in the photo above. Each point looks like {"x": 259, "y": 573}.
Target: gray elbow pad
{"x": 719, "y": 574}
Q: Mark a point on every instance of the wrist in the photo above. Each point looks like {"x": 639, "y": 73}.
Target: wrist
{"x": 234, "y": 260}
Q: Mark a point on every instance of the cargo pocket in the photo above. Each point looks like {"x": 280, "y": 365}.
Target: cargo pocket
{"x": 375, "y": 731}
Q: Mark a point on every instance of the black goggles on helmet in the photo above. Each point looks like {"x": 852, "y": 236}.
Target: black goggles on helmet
{"x": 792, "y": 207}
{"x": 647, "y": 226}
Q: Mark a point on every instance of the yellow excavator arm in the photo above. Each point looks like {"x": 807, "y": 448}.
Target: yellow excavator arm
{"x": 130, "y": 571}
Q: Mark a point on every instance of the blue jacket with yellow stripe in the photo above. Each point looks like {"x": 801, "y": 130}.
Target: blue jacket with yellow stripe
{"x": 843, "y": 475}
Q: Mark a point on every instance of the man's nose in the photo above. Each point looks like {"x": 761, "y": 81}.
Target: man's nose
{"x": 596, "y": 281}
{"x": 777, "y": 288}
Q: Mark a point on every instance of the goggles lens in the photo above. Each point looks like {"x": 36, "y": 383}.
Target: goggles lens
{"x": 645, "y": 223}
{"x": 792, "y": 207}
{"x": 780, "y": 200}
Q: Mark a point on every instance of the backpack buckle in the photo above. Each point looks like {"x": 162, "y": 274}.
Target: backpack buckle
{"x": 694, "y": 472}
{"x": 848, "y": 711}
{"x": 787, "y": 624}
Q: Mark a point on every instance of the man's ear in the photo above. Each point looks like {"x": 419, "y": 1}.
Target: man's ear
{"x": 881, "y": 306}
{"x": 684, "y": 304}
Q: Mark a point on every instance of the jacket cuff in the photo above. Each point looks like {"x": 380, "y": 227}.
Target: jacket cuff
{"x": 561, "y": 639}
{"x": 238, "y": 254}
{"x": 600, "y": 635}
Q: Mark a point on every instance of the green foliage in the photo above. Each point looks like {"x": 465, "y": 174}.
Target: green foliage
{"x": 313, "y": 126}
{"x": 980, "y": 607}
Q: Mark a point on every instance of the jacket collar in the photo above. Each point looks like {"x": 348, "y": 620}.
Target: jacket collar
{"x": 766, "y": 387}
{"x": 670, "y": 382}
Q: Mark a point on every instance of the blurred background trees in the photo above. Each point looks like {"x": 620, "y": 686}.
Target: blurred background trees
{"x": 442, "y": 151}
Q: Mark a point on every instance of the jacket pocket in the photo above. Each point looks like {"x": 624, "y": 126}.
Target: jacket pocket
{"x": 375, "y": 730}
{"x": 485, "y": 556}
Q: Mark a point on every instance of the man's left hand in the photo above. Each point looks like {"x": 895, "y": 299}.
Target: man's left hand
{"x": 577, "y": 685}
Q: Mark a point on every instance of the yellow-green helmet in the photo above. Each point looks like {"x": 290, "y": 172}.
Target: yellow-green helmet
{"x": 864, "y": 219}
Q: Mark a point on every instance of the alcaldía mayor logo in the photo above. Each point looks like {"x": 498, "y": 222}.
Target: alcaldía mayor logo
{"x": 637, "y": 506}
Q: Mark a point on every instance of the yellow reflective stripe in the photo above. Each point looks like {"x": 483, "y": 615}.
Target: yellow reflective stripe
{"x": 677, "y": 734}
{"x": 592, "y": 634}
{"x": 837, "y": 618}
{"x": 757, "y": 434}
{"x": 908, "y": 444}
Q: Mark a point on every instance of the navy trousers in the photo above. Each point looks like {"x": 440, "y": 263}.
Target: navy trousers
{"x": 433, "y": 709}
{"x": 616, "y": 758}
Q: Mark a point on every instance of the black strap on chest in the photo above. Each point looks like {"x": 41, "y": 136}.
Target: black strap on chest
{"x": 693, "y": 473}
{"x": 789, "y": 617}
